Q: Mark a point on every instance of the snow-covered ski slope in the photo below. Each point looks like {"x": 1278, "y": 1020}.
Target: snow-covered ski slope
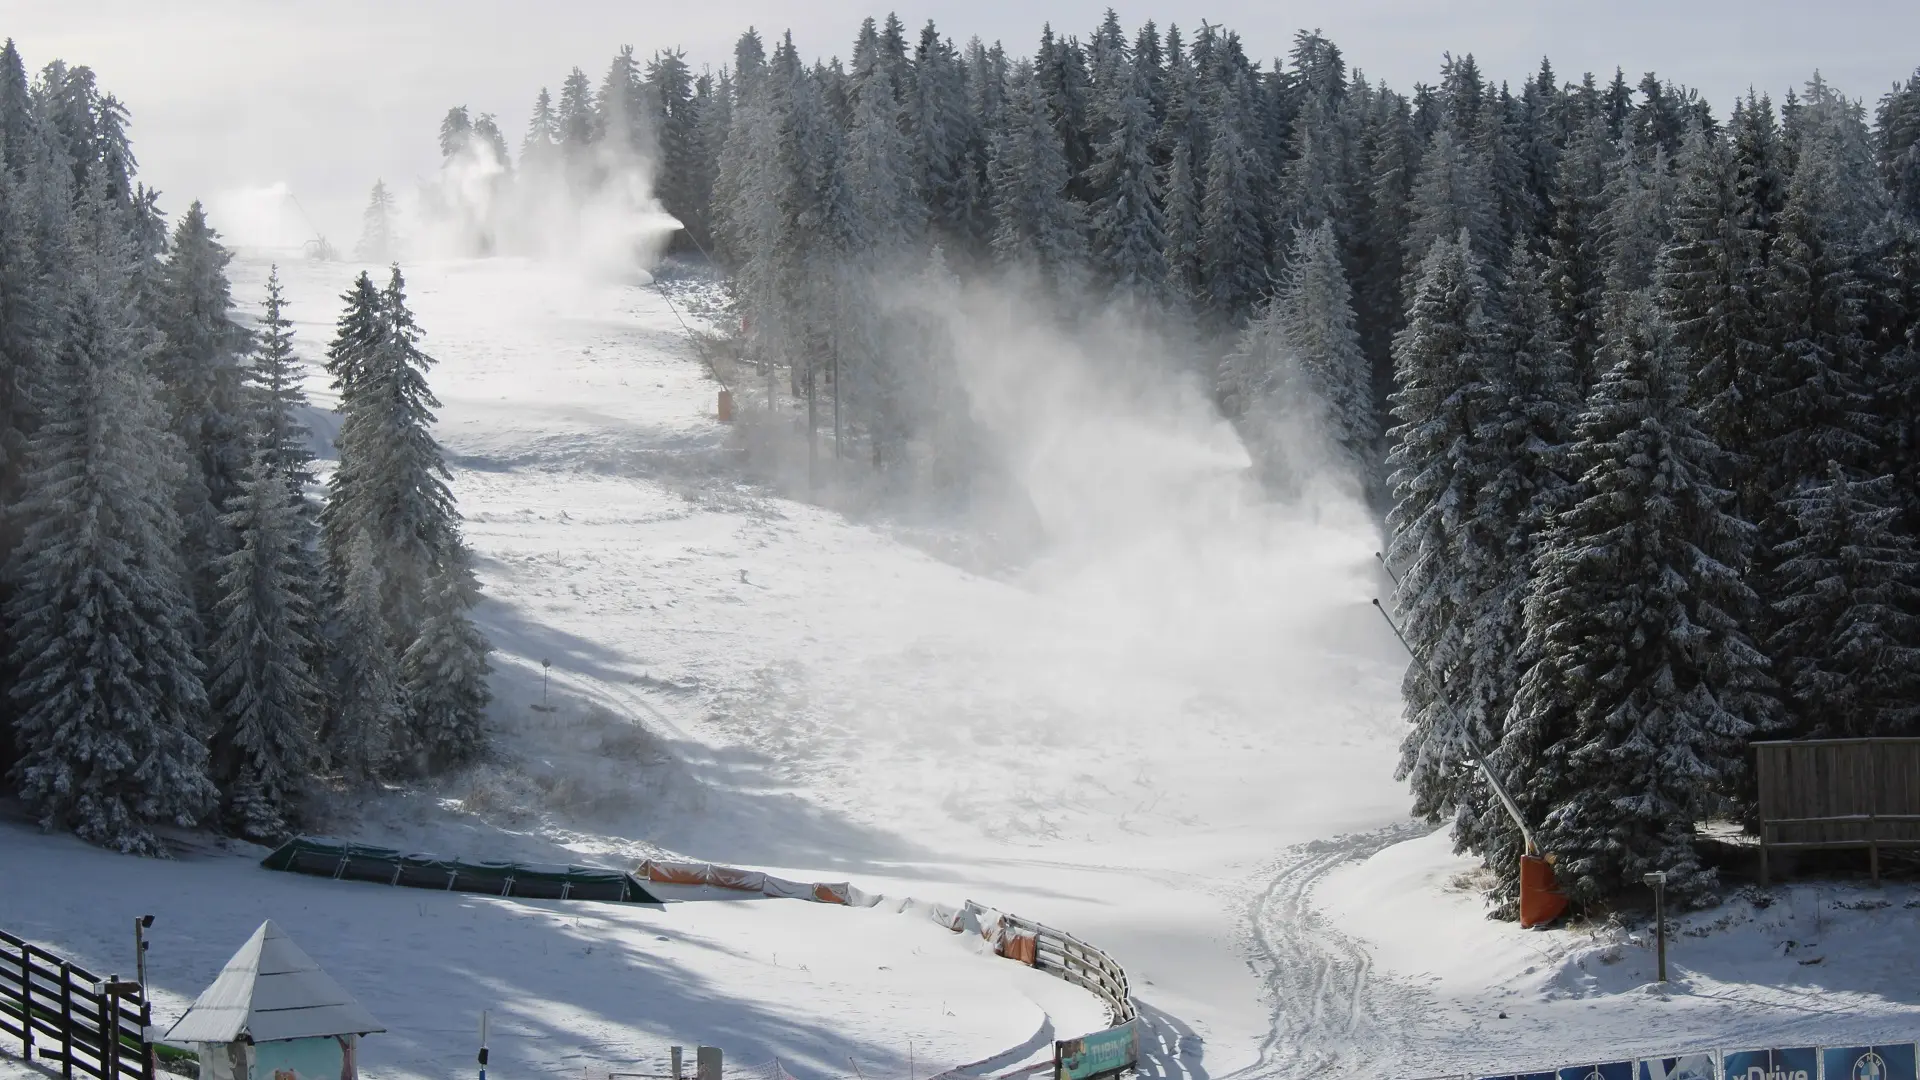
{"x": 1111, "y": 738}
{"x": 1170, "y": 729}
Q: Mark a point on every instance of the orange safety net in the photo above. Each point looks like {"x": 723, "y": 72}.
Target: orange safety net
{"x": 1022, "y": 947}
{"x": 728, "y": 877}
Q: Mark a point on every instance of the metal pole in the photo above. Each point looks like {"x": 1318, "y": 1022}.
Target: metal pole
{"x": 1391, "y": 576}
{"x": 483, "y": 1044}
{"x": 1660, "y": 923}
{"x": 1658, "y": 880}
{"x": 1479, "y": 759}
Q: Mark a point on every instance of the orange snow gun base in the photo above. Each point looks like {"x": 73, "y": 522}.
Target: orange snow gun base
{"x": 1541, "y": 901}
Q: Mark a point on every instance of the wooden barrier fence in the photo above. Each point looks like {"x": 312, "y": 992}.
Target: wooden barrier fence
{"x": 1837, "y": 794}
{"x": 61, "y": 1012}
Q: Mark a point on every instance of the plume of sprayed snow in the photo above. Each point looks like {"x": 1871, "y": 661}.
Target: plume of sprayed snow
{"x": 595, "y": 212}
{"x": 1156, "y": 522}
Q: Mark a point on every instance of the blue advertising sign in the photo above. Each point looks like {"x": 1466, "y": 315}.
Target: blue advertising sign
{"x": 1796, "y": 1063}
{"x": 1869, "y": 1062}
{"x": 1097, "y": 1054}
{"x": 1612, "y": 1070}
{"x": 1524, "y": 1076}
{"x": 1683, "y": 1067}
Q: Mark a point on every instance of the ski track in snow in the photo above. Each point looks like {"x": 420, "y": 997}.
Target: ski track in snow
{"x": 1331, "y": 1013}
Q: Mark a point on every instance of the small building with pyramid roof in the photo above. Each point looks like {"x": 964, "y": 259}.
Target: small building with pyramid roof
{"x": 273, "y": 1014}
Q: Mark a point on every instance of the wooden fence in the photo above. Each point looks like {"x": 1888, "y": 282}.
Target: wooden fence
{"x": 61, "y": 1012}
{"x": 1838, "y": 794}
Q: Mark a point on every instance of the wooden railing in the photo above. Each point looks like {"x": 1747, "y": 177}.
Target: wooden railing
{"x": 63, "y": 1013}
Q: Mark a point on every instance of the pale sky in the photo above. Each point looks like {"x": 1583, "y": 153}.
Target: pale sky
{"x": 235, "y": 96}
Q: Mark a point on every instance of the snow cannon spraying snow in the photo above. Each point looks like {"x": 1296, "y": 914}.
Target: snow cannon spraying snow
{"x": 1541, "y": 900}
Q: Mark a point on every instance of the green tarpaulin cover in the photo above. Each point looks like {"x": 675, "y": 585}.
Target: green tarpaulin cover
{"x": 365, "y": 862}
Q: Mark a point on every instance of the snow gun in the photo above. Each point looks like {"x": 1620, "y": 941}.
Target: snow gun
{"x": 1541, "y": 901}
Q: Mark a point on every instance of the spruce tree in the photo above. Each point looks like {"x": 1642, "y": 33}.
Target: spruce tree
{"x": 200, "y": 373}
{"x": 1232, "y": 245}
{"x": 1317, "y": 324}
{"x": 1034, "y": 221}
{"x": 112, "y": 714}
{"x": 879, "y": 165}
{"x": 1847, "y": 607}
{"x": 266, "y": 699}
{"x": 366, "y": 715}
{"x": 276, "y": 397}
{"x": 1129, "y": 237}
{"x": 444, "y": 672}
{"x": 1439, "y": 359}
{"x": 1631, "y": 724}
{"x": 378, "y": 241}
{"x": 1711, "y": 292}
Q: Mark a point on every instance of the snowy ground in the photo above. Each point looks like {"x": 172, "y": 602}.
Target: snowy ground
{"x": 571, "y": 986}
{"x": 1147, "y": 734}
{"x": 1448, "y": 991}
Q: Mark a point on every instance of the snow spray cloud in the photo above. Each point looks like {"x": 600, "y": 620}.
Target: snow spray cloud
{"x": 593, "y": 210}
{"x": 1178, "y": 635}
{"x": 1157, "y": 529}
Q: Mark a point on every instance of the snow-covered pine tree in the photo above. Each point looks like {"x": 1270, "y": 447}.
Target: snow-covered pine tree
{"x": 1819, "y": 408}
{"x": 1439, "y": 360}
{"x": 25, "y": 347}
{"x": 1632, "y": 723}
{"x": 1129, "y": 237}
{"x": 1061, "y": 67}
{"x": 541, "y": 142}
{"x": 456, "y": 131}
{"x": 366, "y": 713}
{"x": 275, "y": 396}
{"x": 1452, "y": 193}
{"x": 200, "y": 376}
{"x": 575, "y": 126}
{"x": 378, "y": 240}
{"x": 1847, "y": 607}
{"x": 939, "y": 125}
{"x": 267, "y": 702}
{"x": 1709, "y": 290}
{"x": 17, "y": 135}
{"x": 358, "y": 334}
{"x": 112, "y": 715}
{"x": 386, "y": 431}
{"x": 878, "y": 165}
{"x": 1180, "y": 194}
{"x": 1233, "y": 257}
{"x": 444, "y": 671}
{"x": 1523, "y": 409}
{"x": 675, "y": 120}
{"x": 1034, "y": 221}
{"x": 1576, "y": 264}
{"x": 1897, "y": 142}
{"x": 1315, "y": 307}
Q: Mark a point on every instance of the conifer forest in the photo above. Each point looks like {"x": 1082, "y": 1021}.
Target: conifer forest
{"x": 1630, "y": 377}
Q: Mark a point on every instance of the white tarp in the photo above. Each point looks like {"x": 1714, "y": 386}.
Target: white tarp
{"x": 270, "y": 991}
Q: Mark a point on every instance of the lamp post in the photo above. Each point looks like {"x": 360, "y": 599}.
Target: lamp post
{"x": 1658, "y": 881}
{"x": 141, "y": 925}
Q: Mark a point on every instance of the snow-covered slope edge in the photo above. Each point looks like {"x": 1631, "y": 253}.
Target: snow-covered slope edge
{"x": 1813, "y": 963}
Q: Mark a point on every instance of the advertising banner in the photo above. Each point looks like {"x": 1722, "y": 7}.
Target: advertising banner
{"x": 1097, "y": 1054}
{"x": 1796, "y": 1063}
{"x": 1894, "y": 1062}
{"x": 1611, "y": 1070}
{"x": 1683, "y": 1067}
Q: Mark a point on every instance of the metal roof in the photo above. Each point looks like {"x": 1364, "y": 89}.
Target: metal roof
{"x": 268, "y": 992}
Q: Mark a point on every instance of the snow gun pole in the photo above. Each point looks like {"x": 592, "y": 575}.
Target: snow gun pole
{"x": 1480, "y": 759}
{"x": 1391, "y": 576}
{"x": 483, "y": 1044}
